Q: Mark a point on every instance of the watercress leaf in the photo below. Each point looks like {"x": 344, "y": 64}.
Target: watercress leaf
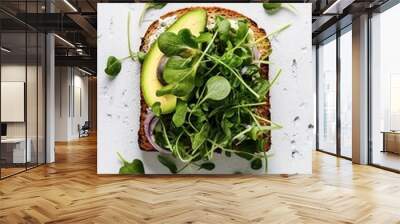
{"x": 180, "y": 89}
{"x": 243, "y": 28}
{"x": 262, "y": 87}
{"x": 254, "y": 133}
{"x": 151, "y": 5}
{"x": 175, "y": 69}
{"x": 204, "y": 37}
{"x": 272, "y": 8}
{"x": 256, "y": 164}
{"x": 184, "y": 87}
{"x": 246, "y": 148}
{"x": 124, "y": 170}
{"x": 261, "y": 145}
{"x": 165, "y": 90}
{"x": 113, "y": 66}
{"x": 233, "y": 61}
{"x": 218, "y": 88}
{"x": 187, "y": 38}
{"x": 180, "y": 113}
{"x": 156, "y": 5}
{"x": 156, "y": 108}
{"x": 140, "y": 56}
{"x": 207, "y": 166}
{"x": 200, "y": 137}
{"x": 135, "y": 167}
{"x": 171, "y": 44}
{"x": 223, "y": 28}
{"x": 167, "y": 162}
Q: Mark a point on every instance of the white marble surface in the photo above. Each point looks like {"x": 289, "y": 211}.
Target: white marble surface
{"x": 292, "y": 98}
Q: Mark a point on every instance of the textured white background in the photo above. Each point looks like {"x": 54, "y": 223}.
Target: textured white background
{"x": 292, "y": 98}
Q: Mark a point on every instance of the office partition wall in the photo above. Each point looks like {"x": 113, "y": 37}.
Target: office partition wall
{"x": 334, "y": 105}
{"x": 22, "y": 77}
{"x": 327, "y": 95}
{"x": 345, "y": 61}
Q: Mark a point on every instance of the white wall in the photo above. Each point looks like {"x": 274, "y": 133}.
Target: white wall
{"x": 71, "y": 93}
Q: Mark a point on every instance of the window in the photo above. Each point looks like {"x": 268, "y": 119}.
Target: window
{"x": 385, "y": 89}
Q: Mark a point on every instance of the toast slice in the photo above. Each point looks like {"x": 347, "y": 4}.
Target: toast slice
{"x": 263, "y": 47}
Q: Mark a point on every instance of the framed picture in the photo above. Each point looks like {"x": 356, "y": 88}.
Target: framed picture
{"x": 200, "y": 88}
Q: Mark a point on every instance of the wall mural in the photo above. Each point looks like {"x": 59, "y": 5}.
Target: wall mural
{"x": 197, "y": 88}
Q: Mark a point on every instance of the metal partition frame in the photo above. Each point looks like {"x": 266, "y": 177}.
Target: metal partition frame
{"x": 27, "y": 29}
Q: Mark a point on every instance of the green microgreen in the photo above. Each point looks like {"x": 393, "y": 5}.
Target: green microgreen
{"x": 134, "y": 167}
{"x": 148, "y": 6}
{"x": 220, "y": 89}
{"x": 114, "y": 65}
{"x": 273, "y": 7}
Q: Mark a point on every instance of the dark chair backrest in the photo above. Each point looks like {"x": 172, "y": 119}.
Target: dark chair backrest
{"x": 86, "y": 125}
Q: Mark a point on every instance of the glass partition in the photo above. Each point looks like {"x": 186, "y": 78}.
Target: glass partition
{"x": 31, "y": 100}
{"x": 327, "y": 96}
{"x": 23, "y": 89}
{"x": 346, "y": 93}
{"x": 13, "y": 109}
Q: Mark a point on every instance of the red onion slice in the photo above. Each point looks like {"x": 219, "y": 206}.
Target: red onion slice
{"x": 149, "y": 123}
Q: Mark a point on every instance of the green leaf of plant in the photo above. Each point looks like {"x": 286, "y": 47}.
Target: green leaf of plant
{"x": 152, "y": 5}
{"x": 256, "y": 164}
{"x": 223, "y": 28}
{"x": 254, "y": 133}
{"x": 171, "y": 44}
{"x": 181, "y": 88}
{"x": 156, "y": 108}
{"x": 167, "y": 162}
{"x": 243, "y": 28}
{"x": 187, "y": 38}
{"x": 113, "y": 66}
{"x": 135, "y": 167}
{"x": 175, "y": 69}
{"x": 204, "y": 37}
{"x": 218, "y": 88}
{"x": 140, "y": 56}
{"x": 248, "y": 147}
{"x": 272, "y": 8}
{"x": 156, "y": 5}
{"x": 207, "y": 166}
{"x": 200, "y": 137}
{"x": 180, "y": 113}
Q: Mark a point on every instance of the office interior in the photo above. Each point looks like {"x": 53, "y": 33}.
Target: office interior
{"x": 37, "y": 112}
{"x": 48, "y": 104}
{"x": 48, "y": 79}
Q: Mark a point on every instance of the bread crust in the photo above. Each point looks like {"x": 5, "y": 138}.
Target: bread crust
{"x": 264, "y": 48}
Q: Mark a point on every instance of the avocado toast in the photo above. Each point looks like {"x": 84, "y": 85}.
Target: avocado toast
{"x": 205, "y": 87}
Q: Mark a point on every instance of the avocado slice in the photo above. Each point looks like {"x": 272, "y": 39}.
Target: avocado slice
{"x": 194, "y": 20}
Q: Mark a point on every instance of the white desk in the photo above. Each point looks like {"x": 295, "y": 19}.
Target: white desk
{"x": 19, "y": 155}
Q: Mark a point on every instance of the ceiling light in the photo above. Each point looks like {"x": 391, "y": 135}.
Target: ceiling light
{"x": 64, "y": 40}
{"x": 84, "y": 71}
{"x": 70, "y": 5}
{"x": 5, "y": 50}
